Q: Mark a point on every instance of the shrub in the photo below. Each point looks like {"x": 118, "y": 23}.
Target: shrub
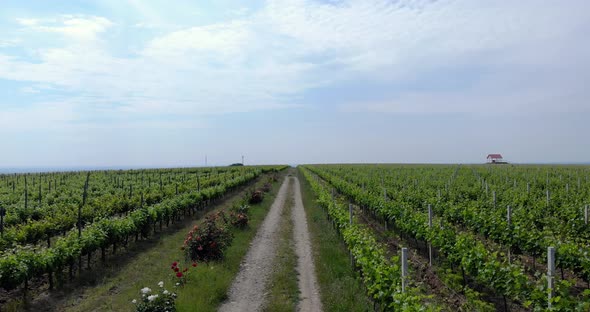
{"x": 239, "y": 220}
{"x": 256, "y": 197}
{"x": 207, "y": 243}
{"x": 266, "y": 187}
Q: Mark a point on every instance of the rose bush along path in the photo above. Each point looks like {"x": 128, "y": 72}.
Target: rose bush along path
{"x": 252, "y": 283}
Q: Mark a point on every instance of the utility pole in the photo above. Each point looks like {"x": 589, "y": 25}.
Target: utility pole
{"x": 242, "y": 160}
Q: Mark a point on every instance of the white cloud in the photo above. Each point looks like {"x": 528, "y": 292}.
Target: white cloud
{"x": 41, "y": 116}
{"x": 369, "y": 34}
{"x": 81, "y": 28}
{"x": 240, "y": 12}
{"x": 27, "y": 21}
{"x": 226, "y": 39}
{"x": 265, "y": 59}
{"x": 8, "y": 43}
{"x": 30, "y": 89}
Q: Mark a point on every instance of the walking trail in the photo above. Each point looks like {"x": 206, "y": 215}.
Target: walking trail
{"x": 248, "y": 290}
{"x": 308, "y": 285}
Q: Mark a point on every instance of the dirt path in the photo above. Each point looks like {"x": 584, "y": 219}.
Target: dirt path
{"x": 308, "y": 285}
{"x": 250, "y": 286}
{"x": 248, "y": 290}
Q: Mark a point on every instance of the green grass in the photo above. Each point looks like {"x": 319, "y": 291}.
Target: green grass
{"x": 340, "y": 287}
{"x": 207, "y": 285}
{"x": 283, "y": 284}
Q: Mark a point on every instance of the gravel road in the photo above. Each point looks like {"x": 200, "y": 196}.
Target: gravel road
{"x": 248, "y": 290}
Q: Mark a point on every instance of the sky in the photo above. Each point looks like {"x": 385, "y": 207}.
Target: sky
{"x": 132, "y": 83}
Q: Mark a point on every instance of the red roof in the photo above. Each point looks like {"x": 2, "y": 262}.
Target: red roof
{"x": 494, "y": 156}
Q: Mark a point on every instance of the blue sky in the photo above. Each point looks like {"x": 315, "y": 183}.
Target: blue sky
{"x": 160, "y": 83}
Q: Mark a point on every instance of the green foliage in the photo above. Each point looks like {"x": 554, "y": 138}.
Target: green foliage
{"x": 19, "y": 264}
{"x": 111, "y": 193}
{"x": 381, "y": 276}
{"x": 460, "y": 202}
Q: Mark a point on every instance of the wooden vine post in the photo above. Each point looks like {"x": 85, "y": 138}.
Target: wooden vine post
{"x": 26, "y": 194}
{"x": 404, "y": 268}
{"x": 494, "y": 196}
{"x": 2, "y": 214}
{"x": 350, "y": 222}
{"x": 509, "y": 221}
{"x": 84, "y": 196}
{"x": 550, "y": 273}
{"x": 430, "y": 226}
{"x": 385, "y": 200}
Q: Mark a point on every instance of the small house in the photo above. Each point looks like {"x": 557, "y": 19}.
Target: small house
{"x": 495, "y": 159}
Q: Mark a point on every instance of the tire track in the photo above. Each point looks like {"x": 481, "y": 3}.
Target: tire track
{"x": 308, "y": 285}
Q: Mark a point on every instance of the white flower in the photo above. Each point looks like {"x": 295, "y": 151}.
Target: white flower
{"x": 152, "y": 297}
{"x": 134, "y": 301}
{"x": 161, "y": 284}
{"x": 165, "y": 292}
{"x": 145, "y": 290}
{"x": 177, "y": 284}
